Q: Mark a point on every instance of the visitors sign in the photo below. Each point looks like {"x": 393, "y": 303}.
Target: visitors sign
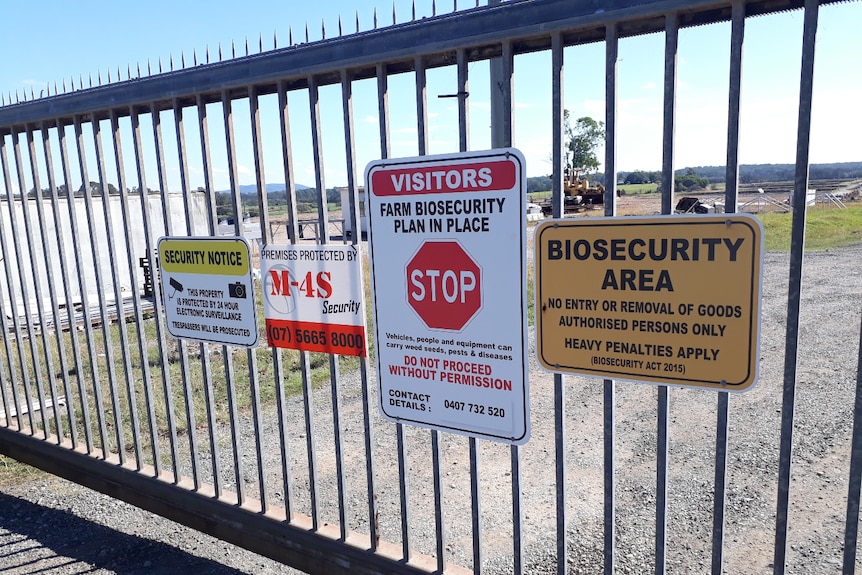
{"x": 313, "y": 298}
{"x": 448, "y": 265}
{"x": 207, "y": 289}
{"x": 668, "y": 299}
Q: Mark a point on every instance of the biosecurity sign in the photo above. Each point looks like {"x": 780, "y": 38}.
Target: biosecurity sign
{"x": 670, "y": 299}
{"x": 313, "y": 298}
{"x": 207, "y": 289}
{"x": 448, "y": 263}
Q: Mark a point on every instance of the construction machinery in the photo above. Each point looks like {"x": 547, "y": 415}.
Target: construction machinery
{"x": 579, "y": 194}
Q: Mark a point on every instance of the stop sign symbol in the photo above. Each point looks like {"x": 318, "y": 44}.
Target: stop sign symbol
{"x": 444, "y": 285}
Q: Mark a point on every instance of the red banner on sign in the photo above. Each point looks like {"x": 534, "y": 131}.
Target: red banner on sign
{"x": 312, "y": 336}
{"x": 475, "y": 177}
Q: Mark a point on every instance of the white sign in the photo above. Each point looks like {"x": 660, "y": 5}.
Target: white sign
{"x": 312, "y": 298}
{"x": 207, "y": 289}
{"x": 448, "y": 268}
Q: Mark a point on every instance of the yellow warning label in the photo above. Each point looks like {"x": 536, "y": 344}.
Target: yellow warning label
{"x": 205, "y": 256}
{"x": 667, "y": 299}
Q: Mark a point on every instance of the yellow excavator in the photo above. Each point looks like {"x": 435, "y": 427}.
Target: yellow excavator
{"x": 578, "y": 194}
{"x": 582, "y": 191}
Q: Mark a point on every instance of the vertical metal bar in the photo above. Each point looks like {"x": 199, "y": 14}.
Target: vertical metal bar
{"x": 37, "y": 188}
{"x": 720, "y": 484}
{"x": 290, "y": 195}
{"x": 229, "y": 371}
{"x": 731, "y": 193}
{"x": 506, "y": 119}
{"x": 662, "y": 444}
{"x": 671, "y": 41}
{"x": 206, "y": 157}
{"x": 260, "y": 180}
{"x": 350, "y": 156}
{"x": 67, "y": 292}
{"x": 191, "y": 420}
{"x": 737, "y": 36}
{"x": 155, "y": 431}
{"x": 794, "y": 296}
{"x": 421, "y": 106}
{"x": 317, "y": 149}
{"x": 438, "y": 500}
{"x": 356, "y": 238}
{"x": 500, "y": 125}
{"x": 82, "y": 291}
{"x": 287, "y": 161}
{"x": 211, "y": 223}
{"x": 7, "y": 345}
{"x": 4, "y": 382}
{"x": 19, "y": 339}
{"x": 383, "y": 109}
{"x": 310, "y": 439}
{"x": 663, "y": 408}
{"x": 463, "y": 95}
{"x": 136, "y": 296}
{"x": 611, "y": 56}
{"x": 49, "y": 275}
{"x": 9, "y": 364}
{"x": 307, "y": 388}
{"x": 505, "y": 91}
{"x": 851, "y": 529}
{"x": 37, "y": 288}
{"x": 118, "y": 299}
{"x": 463, "y": 146}
{"x": 206, "y": 364}
{"x": 96, "y": 259}
{"x": 341, "y": 483}
{"x": 403, "y": 479}
{"x": 323, "y": 238}
{"x": 611, "y": 52}
{"x": 557, "y": 107}
{"x": 25, "y": 292}
{"x": 182, "y": 346}
{"x": 422, "y": 137}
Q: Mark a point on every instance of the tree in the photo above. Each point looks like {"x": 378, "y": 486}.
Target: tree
{"x": 582, "y": 140}
{"x": 637, "y": 177}
{"x": 224, "y": 204}
{"x": 690, "y": 181}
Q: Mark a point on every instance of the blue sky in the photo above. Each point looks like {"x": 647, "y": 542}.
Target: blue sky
{"x": 57, "y": 40}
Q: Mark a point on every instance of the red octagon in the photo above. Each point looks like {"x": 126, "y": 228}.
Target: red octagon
{"x": 444, "y": 285}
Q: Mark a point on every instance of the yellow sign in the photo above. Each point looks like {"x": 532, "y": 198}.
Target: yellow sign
{"x": 211, "y": 256}
{"x": 669, "y": 299}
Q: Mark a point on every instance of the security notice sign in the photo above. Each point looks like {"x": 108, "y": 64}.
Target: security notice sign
{"x": 312, "y": 298}
{"x": 448, "y": 267}
{"x": 669, "y": 299}
{"x": 207, "y": 289}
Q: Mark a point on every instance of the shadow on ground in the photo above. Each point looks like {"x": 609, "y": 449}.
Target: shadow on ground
{"x": 37, "y": 539}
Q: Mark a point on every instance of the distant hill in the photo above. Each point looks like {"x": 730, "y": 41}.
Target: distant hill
{"x": 252, "y": 189}
{"x": 754, "y": 173}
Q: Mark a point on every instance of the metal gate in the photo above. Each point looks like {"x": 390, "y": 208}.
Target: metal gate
{"x": 284, "y": 453}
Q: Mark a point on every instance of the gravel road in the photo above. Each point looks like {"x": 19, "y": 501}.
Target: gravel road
{"x": 49, "y": 525}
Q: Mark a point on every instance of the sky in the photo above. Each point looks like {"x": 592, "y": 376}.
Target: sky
{"x": 73, "y": 40}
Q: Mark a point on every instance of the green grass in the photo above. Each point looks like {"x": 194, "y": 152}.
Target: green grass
{"x": 627, "y": 190}
{"x": 13, "y": 472}
{"x": 826, "y": 227}
{"x": 637, "y": 189}
{"x": 158, "y": 373}
{"x": 538, "y": 196}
